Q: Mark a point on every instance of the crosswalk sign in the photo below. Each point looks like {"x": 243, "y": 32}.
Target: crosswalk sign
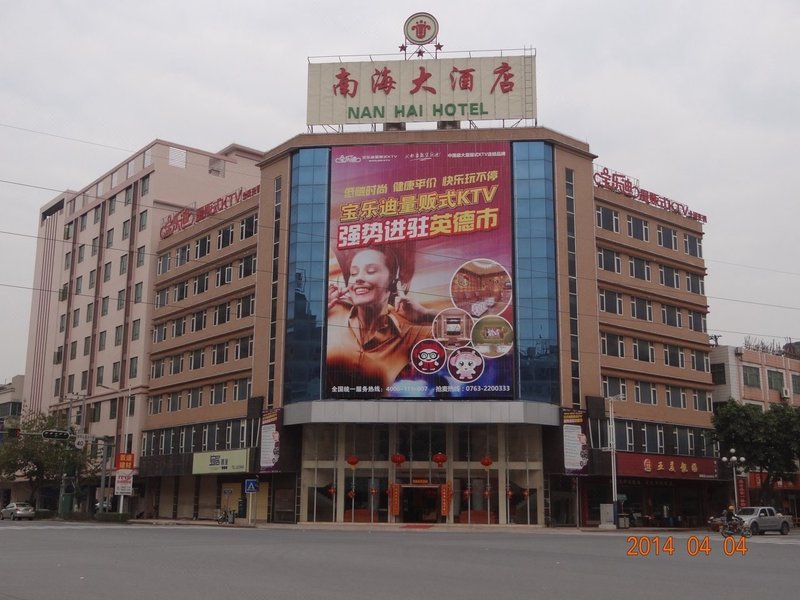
{"x": 250, "y": 486}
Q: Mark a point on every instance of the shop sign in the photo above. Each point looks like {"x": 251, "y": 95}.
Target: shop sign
{"x": 576, "y": 447}
{"x": 123, "y": 483}
{"x": 189, "y": 216}
{"x": 271, "y": 425}
{"x": 622, "y": 184}
{"x": 394, "y": 499}
{"x": 395, "y": 91}
{"x": 225, "y": 461}
{"x": 757, "y": 478}
{"x": 445, "y": 494}
{"x": 124, "y": 460}
{"x": 666, "y": 467}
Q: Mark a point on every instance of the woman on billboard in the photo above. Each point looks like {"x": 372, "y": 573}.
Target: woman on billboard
{"x": 372, "y": 323}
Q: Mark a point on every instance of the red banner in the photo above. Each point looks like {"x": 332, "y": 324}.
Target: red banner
{"x": 758, "y": 477}
{"x": 394, "y": 499}
{"x": 125, "y": 460}
{"x": 666, "y": 467}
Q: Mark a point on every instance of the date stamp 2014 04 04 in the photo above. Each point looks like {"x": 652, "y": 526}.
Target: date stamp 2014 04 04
{"x": 645, "y": 546}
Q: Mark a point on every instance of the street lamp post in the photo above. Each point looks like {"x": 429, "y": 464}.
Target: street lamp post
{"x": 734, "y": 462}
{"x": 612, "y": 442}
{"x": 122, "y": 445}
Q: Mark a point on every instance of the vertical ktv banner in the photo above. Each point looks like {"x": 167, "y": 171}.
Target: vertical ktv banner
{"x": 420, "y": 274}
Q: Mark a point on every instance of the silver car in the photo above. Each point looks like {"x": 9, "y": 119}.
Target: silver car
{"x": 18, "y": 510}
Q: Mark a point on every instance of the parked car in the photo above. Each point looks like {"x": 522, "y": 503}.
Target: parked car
{"x": 18, "y": 510}
{"x": 764, "y": 518}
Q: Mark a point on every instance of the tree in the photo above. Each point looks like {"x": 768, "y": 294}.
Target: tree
{"x": 767, "y": 439}
{"x": 41, "y": 462}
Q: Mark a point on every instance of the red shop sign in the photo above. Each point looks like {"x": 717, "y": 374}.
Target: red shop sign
{"x": 634, "y": 464}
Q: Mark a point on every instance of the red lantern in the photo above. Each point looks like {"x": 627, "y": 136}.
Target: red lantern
{"x": 398, "y": 459}
{"x": 509, "y": 493}
{"x": 372, "y": 491}
{"x": 351, "y": 494}
{"x": 352, "y": 460}
{"x": 467, "y": 493}
{"x": 525, "y": 493}
{"x": 439, "y": 458}
{"x": 487, "y": 461}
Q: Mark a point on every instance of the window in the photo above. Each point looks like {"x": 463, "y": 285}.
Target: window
{"x": 182, "y": 255}
{"x": 671, "y": 315}
{"x": 608, "y": 219}
{"x": 120, "y": 299}
{"x": 162, "y": 297}
{"x": 219, "y": 353}
{"x": 224, "y": 274}
{"x": 131, "y": 405}
{"x": 145, "y": 186}
{"x": 718, "y": 375}
{"x": 245, "y": 306}
{"x": 98, "y": 376}
{"x": 115, "y": 372}
{"x": 174, "y": 402}
{"x": 638, "y": 229}
{"x": 248, "y": 227}
{"x": 98, "y": 211}
{"x": 202, "y": 246}
{"x": 101, "y": 340}
{"x": 645, "y": 393}
{"x": 242, "y": 389}
{"x": 73, "y": 350}
{"x": 123, "y": 264}
{"x": 199, "y": 320}
{"x": 644, "y": 350}
{"x": 608, "y": 260}
{"x": 668, "y": 276}
{"x": 200, "y": 283}
{"x": 774, "y": 380}
{"x": 136, "y": 329}
{"x": 676, "y": 397}
{"x": 83, "y": 221}
{"x": 244, "y": 347}
{"x": 641, "y": 309}
{"x": 110, "y": 238}
{"x": 126, "y": 229}
{"x": 181, "y": 290}
{"x": 133, "y": 367}
{"x": 225, "y": 237}
{"x": 667, "y": 237}
{"x": 107, "y": 271}
{"x": 695, "y": 283}
{"x": 217, "y": 395}
{"x": 751, "y": 376}
{"x": 81, "y": 252}
{"x": 140, "y": 256}
{"x": 639, "y": 268}
{"x": 78, "y": 284}
{"x": 76, "y": 317}
{"x": 614, "y": 386}
{"x": 92, "y": 278}
{"x": 137, "y": 293}
{"x": 157, "y": 368}
{"x": 612, "y": 344}
{"x": 673, "y": 356}
{"x": 104, "y": 306}
{"x": 195, "y": 397}
{"x": 179, "y": 327}
{"x": 196, "y": 359}
{"x": 159, "y": 332}
{"x": 143, "y": 220}
{"x": 112, "y": 205}
{"x": 697, "y": 321}
{"x": 87, "y": 345}
{"x": 222, "y": 314}
{"x": 176, "y": 364}
{"x": 62, "y": 323}
{"x": 702, "y": 401}
{"x": 610, "y": 302}
{"x": 95, "y": 245}
{"x": 67, "y": 260}
{"x": 163, "y": 264}
{"x": 89, "y": 312}
{"x": 701, "y": 361}
{"x": 795, "y": 384}
{"x": 118, "y": 330}
{"x": 154, "y": 405}
{"x": 58, "y": 355}
{"x": 247, "y": 266}
{"x": 692, "y": 245}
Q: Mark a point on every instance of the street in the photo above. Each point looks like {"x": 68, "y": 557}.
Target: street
{"x": 43, "y": 560}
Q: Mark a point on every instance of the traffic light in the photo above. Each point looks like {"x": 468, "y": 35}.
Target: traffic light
{"x": 55, "y": 434}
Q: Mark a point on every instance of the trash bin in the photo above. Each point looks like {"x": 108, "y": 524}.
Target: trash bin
{"x": 242, "y": 508}
{"x": 624, "y": 522}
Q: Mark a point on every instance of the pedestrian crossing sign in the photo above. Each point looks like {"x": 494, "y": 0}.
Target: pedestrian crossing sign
{"x": 250, "y": 486}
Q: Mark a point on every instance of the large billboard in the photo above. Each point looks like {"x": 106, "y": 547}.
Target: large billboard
{"x": 445, "y": 89}
{"x": 420, "y": 274}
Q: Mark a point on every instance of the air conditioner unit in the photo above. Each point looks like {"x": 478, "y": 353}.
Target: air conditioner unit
{"x": 738, "y": 351}
{"x": 785, "y": 394}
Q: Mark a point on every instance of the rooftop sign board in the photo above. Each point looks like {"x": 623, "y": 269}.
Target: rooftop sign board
{"x": 447, "y": 89}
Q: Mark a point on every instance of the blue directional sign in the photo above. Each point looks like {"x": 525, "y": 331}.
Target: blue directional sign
{"x": 250, "y": 486}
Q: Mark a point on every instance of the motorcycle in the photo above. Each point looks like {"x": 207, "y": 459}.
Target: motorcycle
{"x": 735, "y": 526}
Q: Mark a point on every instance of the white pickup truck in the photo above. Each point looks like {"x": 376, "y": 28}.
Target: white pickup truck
{"x": 764, "y": 518}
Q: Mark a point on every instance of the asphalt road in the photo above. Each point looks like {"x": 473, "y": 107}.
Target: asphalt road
{"x": 50, "y": 560}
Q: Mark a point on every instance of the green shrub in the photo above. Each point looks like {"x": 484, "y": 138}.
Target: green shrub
{"x": 112, "y": 517}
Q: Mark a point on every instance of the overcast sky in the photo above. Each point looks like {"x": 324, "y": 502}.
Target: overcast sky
{"x": 698, "y": 99}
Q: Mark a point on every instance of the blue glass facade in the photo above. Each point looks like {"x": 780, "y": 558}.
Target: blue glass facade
{"x": 536, "y": 308}
{"x": 307, "y": 269}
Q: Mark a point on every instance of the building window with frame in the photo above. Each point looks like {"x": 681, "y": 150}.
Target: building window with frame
{"x": 162, "y": 297}
{"x": 115, "y": 372}
{"x": 608, "y": 219}
{"x": 174, "y": 402}
{"x": 101, "y": 341}
{"x": 695, "y": 283}
{"x": 612, "y": 344}
{"x": 137, "y": 293}
{"x": 245, "y": 306}
{"x": 639, "y": 268}
{"x": 99, "y": 372}
{"x": 196, "y": 359}
{"x": 219, "y": 353}
{"x": 614, "y": 386}
{"x": 667, "y": 237}
{"x": 133, "y": 367}
{"x": 222, "y": 313}
{"x": 110, "y": 238}
{"x": 702, "y": 400}
{"x": 136, "y": 326}
{"x": 674, "y": 356}
{"x": 610, "y": 302}
{"x": 144, "y": 188}
{"x": 645, "y": 393}
{"x": 199, "y": 321}
{"x": 224, "y": 274}
{"x": 242, "y": 388}
{"x": 120, "y": 299}
{"x": 247, "y": 266}
{"x": 671, "y": 315}
{"x": 638, "y": 229}
{"x": 181, "y": 290}
{"x": 200, "y": 283}
{"x": 202, "y": 246}
{"x": 774, "y": 380}
{"x": 162, "y": 264}
{"x": 159, "y": 332}
{"x": 697, "y": 321}
{"x": 179, "y": 327}
{"x": 669, "y": 276}
{"x": 225, "y": 237}
{"x": 143, "y": 220}
{"x": 140, "y": 254}
{"x": 176, "y": 364}
{"x": 244, "y": 347}
{"x": 701, "y": 361}
{"x": 608, "y": 260}
{"x": 751, "y": 376}
{"x": 248, "y": 227}
{"x": 676, "y": 396}
{"x": 126, "y": 229}
{"x": 693, "y": 245}
{"x": 182, "y": 255}
{"x": 195, "y": 397}
{"x": 218, "y": 393}
{"x": 644, "y": 350}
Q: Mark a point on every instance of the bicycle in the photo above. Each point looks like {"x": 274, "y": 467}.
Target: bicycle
{"x": 225, "y": 516}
